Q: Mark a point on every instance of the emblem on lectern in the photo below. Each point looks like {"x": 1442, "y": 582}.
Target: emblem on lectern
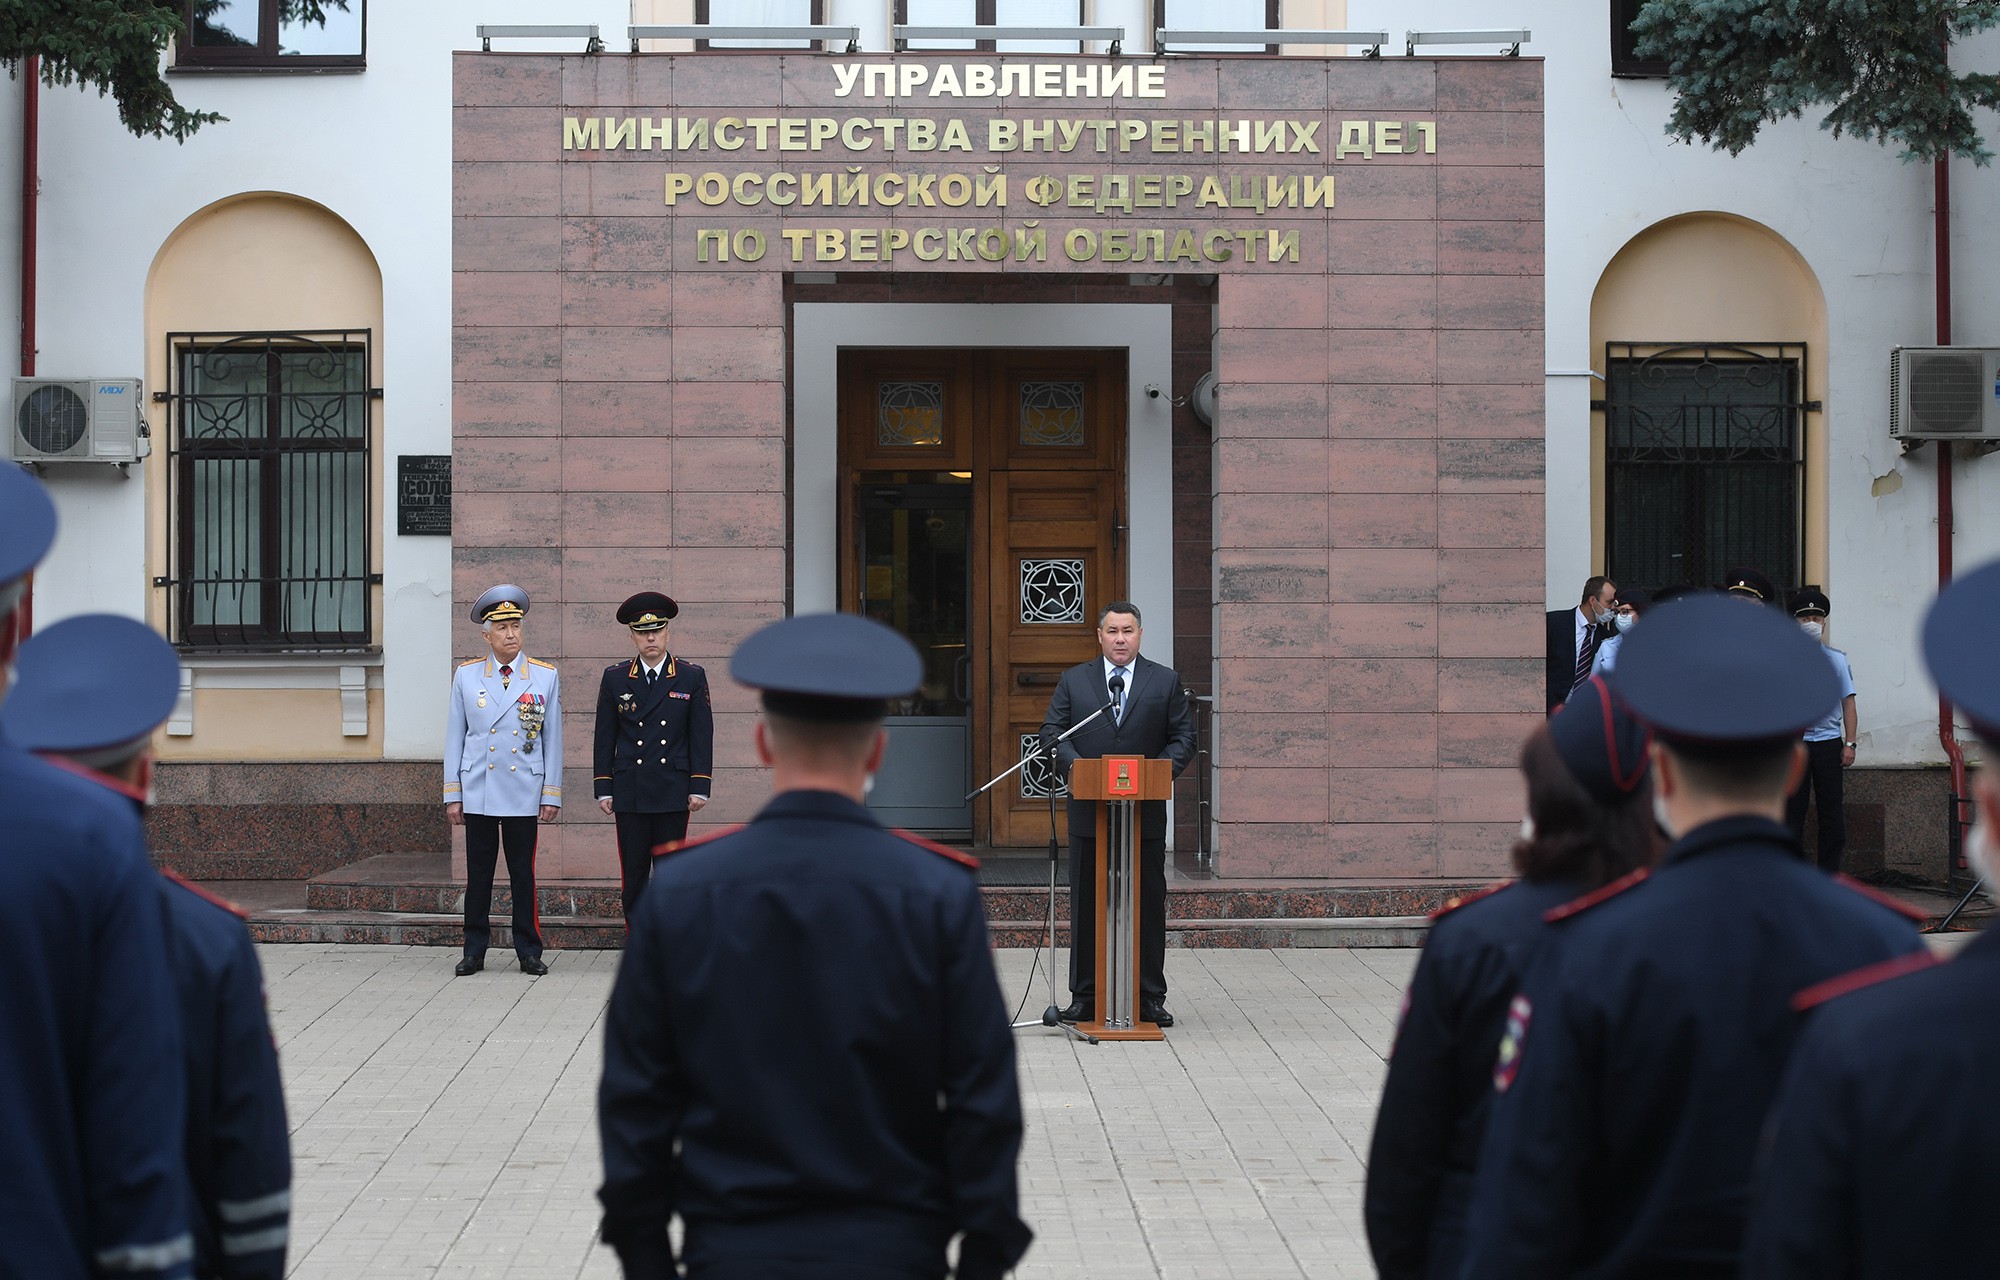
{"x": 1123, "y": 782}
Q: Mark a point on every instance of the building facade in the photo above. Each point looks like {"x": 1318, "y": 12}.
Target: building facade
{"x": 789, "y": 329}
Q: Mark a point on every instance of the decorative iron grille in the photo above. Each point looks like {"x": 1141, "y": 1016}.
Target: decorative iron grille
{"x": 1038, "y": 776}
{"x": 1051, "y": 591}
{"x": 1705, "y": 461}
{"x": 910, "y": 414}
{"x": 268, "y": 484}
{"x": 1052, "y": 414}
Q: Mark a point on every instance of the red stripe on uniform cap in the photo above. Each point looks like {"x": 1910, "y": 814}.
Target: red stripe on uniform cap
{"x": 956, "y": 855}
{"x": 101, "y": 778}
{"x": 1577, "y": 906}
{"x": 1894, "y": 904}
{"x": 1618, "y": 779}
{"x": 1821, "y": 992}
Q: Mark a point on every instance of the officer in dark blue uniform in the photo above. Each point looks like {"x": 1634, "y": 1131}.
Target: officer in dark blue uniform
{"x": 92, "y": 1181}
{"x": 1590, "y": 821}
{"x": 238, "y": 1149}
{"x": 1644, "y": 1050}
{"x": 654, "y": 757}
{"x": 1884, "y": 1152}
{"x": 806, "y": 1056}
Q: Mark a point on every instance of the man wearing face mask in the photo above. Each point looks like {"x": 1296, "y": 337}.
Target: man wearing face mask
{"x": 1631, "y": 602}
{"x": 1830, "y": 743}
{"x": 1650, "y": 1036}
{"x": 1884, "y": 1142}
{"x": 1573, "y": 638}
{"x": 238, "y": 1149}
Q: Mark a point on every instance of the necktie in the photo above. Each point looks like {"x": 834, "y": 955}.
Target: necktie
{"x": 505, "y": 672}
{"x": 1586, "y": 653}
{"x": 1118, "y": 695}
{"x": 651, "y": 674}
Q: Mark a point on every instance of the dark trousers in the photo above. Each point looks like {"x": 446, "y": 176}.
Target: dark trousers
{"x": 638, "y": 835}
{"x": 484, "y": 835}
{"x": 1824, "y": 782}
{"x": 1083, "y": 919}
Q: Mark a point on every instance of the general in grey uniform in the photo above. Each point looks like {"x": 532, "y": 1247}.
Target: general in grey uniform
{"x": 503, "y": 771}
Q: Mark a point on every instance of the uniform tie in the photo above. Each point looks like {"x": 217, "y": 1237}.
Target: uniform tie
{"x": 505, "y": 672}
{"x": 652, "y": 673}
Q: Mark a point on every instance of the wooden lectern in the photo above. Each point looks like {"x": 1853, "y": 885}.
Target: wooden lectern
{"x": 1118, "y": 784}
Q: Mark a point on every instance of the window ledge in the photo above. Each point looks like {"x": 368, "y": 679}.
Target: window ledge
{"x": 268, "y": 69}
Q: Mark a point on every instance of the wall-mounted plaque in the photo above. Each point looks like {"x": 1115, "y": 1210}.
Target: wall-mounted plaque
{"x": 423, "y": 495}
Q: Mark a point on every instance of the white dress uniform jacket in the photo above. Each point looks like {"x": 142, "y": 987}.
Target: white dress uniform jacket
{"x": 497, "y": 761}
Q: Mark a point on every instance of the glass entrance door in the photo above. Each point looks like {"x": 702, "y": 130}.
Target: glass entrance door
{"x": 915, "y": 575}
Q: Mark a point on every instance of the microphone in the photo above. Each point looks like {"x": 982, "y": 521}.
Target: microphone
{"x": 1117, "y": 687}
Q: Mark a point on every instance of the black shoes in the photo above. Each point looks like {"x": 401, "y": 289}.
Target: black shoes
{"x": 533, "y": 966}
{"x": 469, "y": 966}
{"x": 1155, "y": 1012}
{"x": 1078, "y": 1011}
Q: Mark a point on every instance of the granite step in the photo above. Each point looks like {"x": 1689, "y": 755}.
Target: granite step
{"x": 423, "y": 884}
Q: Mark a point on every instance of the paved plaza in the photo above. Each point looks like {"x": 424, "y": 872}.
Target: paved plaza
{"x": 444, "y": 1128}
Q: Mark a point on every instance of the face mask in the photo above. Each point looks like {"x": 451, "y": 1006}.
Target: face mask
{"x": 868, "y": 786}
{"x": 1625, "y": 622}
{"x": 1813, "y": 629}
{"x": 1527, "y": 828}
{"x": 1660, "y": 816}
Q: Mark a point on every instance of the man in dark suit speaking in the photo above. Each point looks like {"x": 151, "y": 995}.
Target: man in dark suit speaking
{"x": 1148, "y": 716}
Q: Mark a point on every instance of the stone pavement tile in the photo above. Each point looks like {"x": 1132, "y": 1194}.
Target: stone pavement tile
{"x": 444, "y": 1129}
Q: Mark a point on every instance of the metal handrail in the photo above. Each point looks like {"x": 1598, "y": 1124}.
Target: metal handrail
{"x": 850, "y": 35}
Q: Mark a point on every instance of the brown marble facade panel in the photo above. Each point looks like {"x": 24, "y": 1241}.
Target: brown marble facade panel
{"x": 729, "y": 519}
{"x": 730, "y": 464}
{"x": 1402, "y": 192}
{"x": 1492, "y": 412}
{"x": 1383, "y": 520}
{"x": 1375, "y": 86}
{"x": 1382, "y": 466}
{"x": 1382, "y": 631}
{"x": 1490, "y": 248}
{"x": 1382, "y": 739}
{"x": 610, "y": 464}
{"x": 1382, "y": 684}
{"x": 1479, "y": 795}
{"x": 1512, "y": 630}
{"x": 505, "y": 355}
{"x": 1269, "y": 355}
{"x": 1383, "y": 795}
{"x": 1474, "y": 740}
{"x": 506, "y": 190}
{"x": 610, "y": 574}
{"x": 1274, "y": 409}
{"x": 1491, "y": 520}
{"x": 1278, "y": 302}
{"x": 1377, "y": 412}
{"x": 1265, "y": 575}
{"x": 729, "y": 409}
{"x": 1274, "y": 795}
{"x": 1261, "y": 686}
{"x": 483, "y": 408}
{"x": 1272, "y": 631}
{"x": 528, "y": 297}
{"x": 1371, "y": 247}
{"x": 1383, "y": 356}
{"x": 1275, "y": 740}
{"x": 1490, "y": 138}
{"x": 1382, "y": 575}
{"x": 616, "y": 408}
{"x": 1260, "y": 466}
{"x": 1383, "y": 302}
{"x": 617, "y": 353}
{"x": 1490, "y": 575}
{"x": 536, "y": 570}
{"x": 1477, "y": 850}
{"x": 507, "y": 82}
{"x": 506, "y": 520}
{"x": 1488, "y": 84}
{"x": 519, "y": 464}
{"x": 1490, "y": 356}
{"x": 1276, "y": 520}
{"x": 1490, "y": 684}
{"x": 1490, "y": 466}
{"x": 594, "y": 298}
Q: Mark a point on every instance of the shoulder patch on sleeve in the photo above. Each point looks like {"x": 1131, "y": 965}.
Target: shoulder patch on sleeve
{"x": 537, "y": 662}
{"x": 1577, "y": 906}
{"x": 1821, "y": 992}
{"x": 1894, "y": 904}
{"x": 471, "y": 662}
{"x": 206, "y": 896}
{"x": 959, "y": 856}
{"x": 675, "y": 846}
{"x": 1467, "y": 900}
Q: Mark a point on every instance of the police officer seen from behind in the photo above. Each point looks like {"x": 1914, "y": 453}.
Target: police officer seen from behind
{"x": 1590, "y": 822}
{"x": 1146, "y": 714}
{"x": 1830, "y": 743}
{"x": 92, "y": 1105}
{"x": 1643, "y": 1053}
{"x": 655, "y": 738}
{"x": 1883, "y": 1157}
{"x": 502, "y": 770}
{"x": 806, "y": 1056}
{"x": 238, "y": 1154}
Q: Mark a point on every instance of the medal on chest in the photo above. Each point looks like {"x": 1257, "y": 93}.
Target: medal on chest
{"x": 482, "y": 699}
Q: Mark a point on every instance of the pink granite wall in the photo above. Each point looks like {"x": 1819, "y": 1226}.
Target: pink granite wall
{"x": 619, "y": 423}
{"x": 1379, "y": 509}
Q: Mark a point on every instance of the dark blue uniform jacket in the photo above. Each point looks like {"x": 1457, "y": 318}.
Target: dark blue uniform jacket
{"x": 91, "y": 1180}
{"x": 1435, "y": 1103}
{"x": 1660, "y": 1023}
{"x": 808, "y": 1007}
{"x": 655, "y": 745}
{"x": 1884, "y": 1151}
{"x": 238, "y": 1148}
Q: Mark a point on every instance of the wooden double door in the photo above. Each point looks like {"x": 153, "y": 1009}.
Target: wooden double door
{"x": 983, "y": 516}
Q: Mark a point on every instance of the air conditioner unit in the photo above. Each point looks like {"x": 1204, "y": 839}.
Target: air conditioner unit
{"x": 1944, "y": 393}
{"x": 78, "y": 420}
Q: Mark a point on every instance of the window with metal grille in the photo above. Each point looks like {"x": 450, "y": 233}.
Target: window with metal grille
{"x": 1704, "y": 461}
{"x": 268, "y": 489}
{"x": 272, "y": 35}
